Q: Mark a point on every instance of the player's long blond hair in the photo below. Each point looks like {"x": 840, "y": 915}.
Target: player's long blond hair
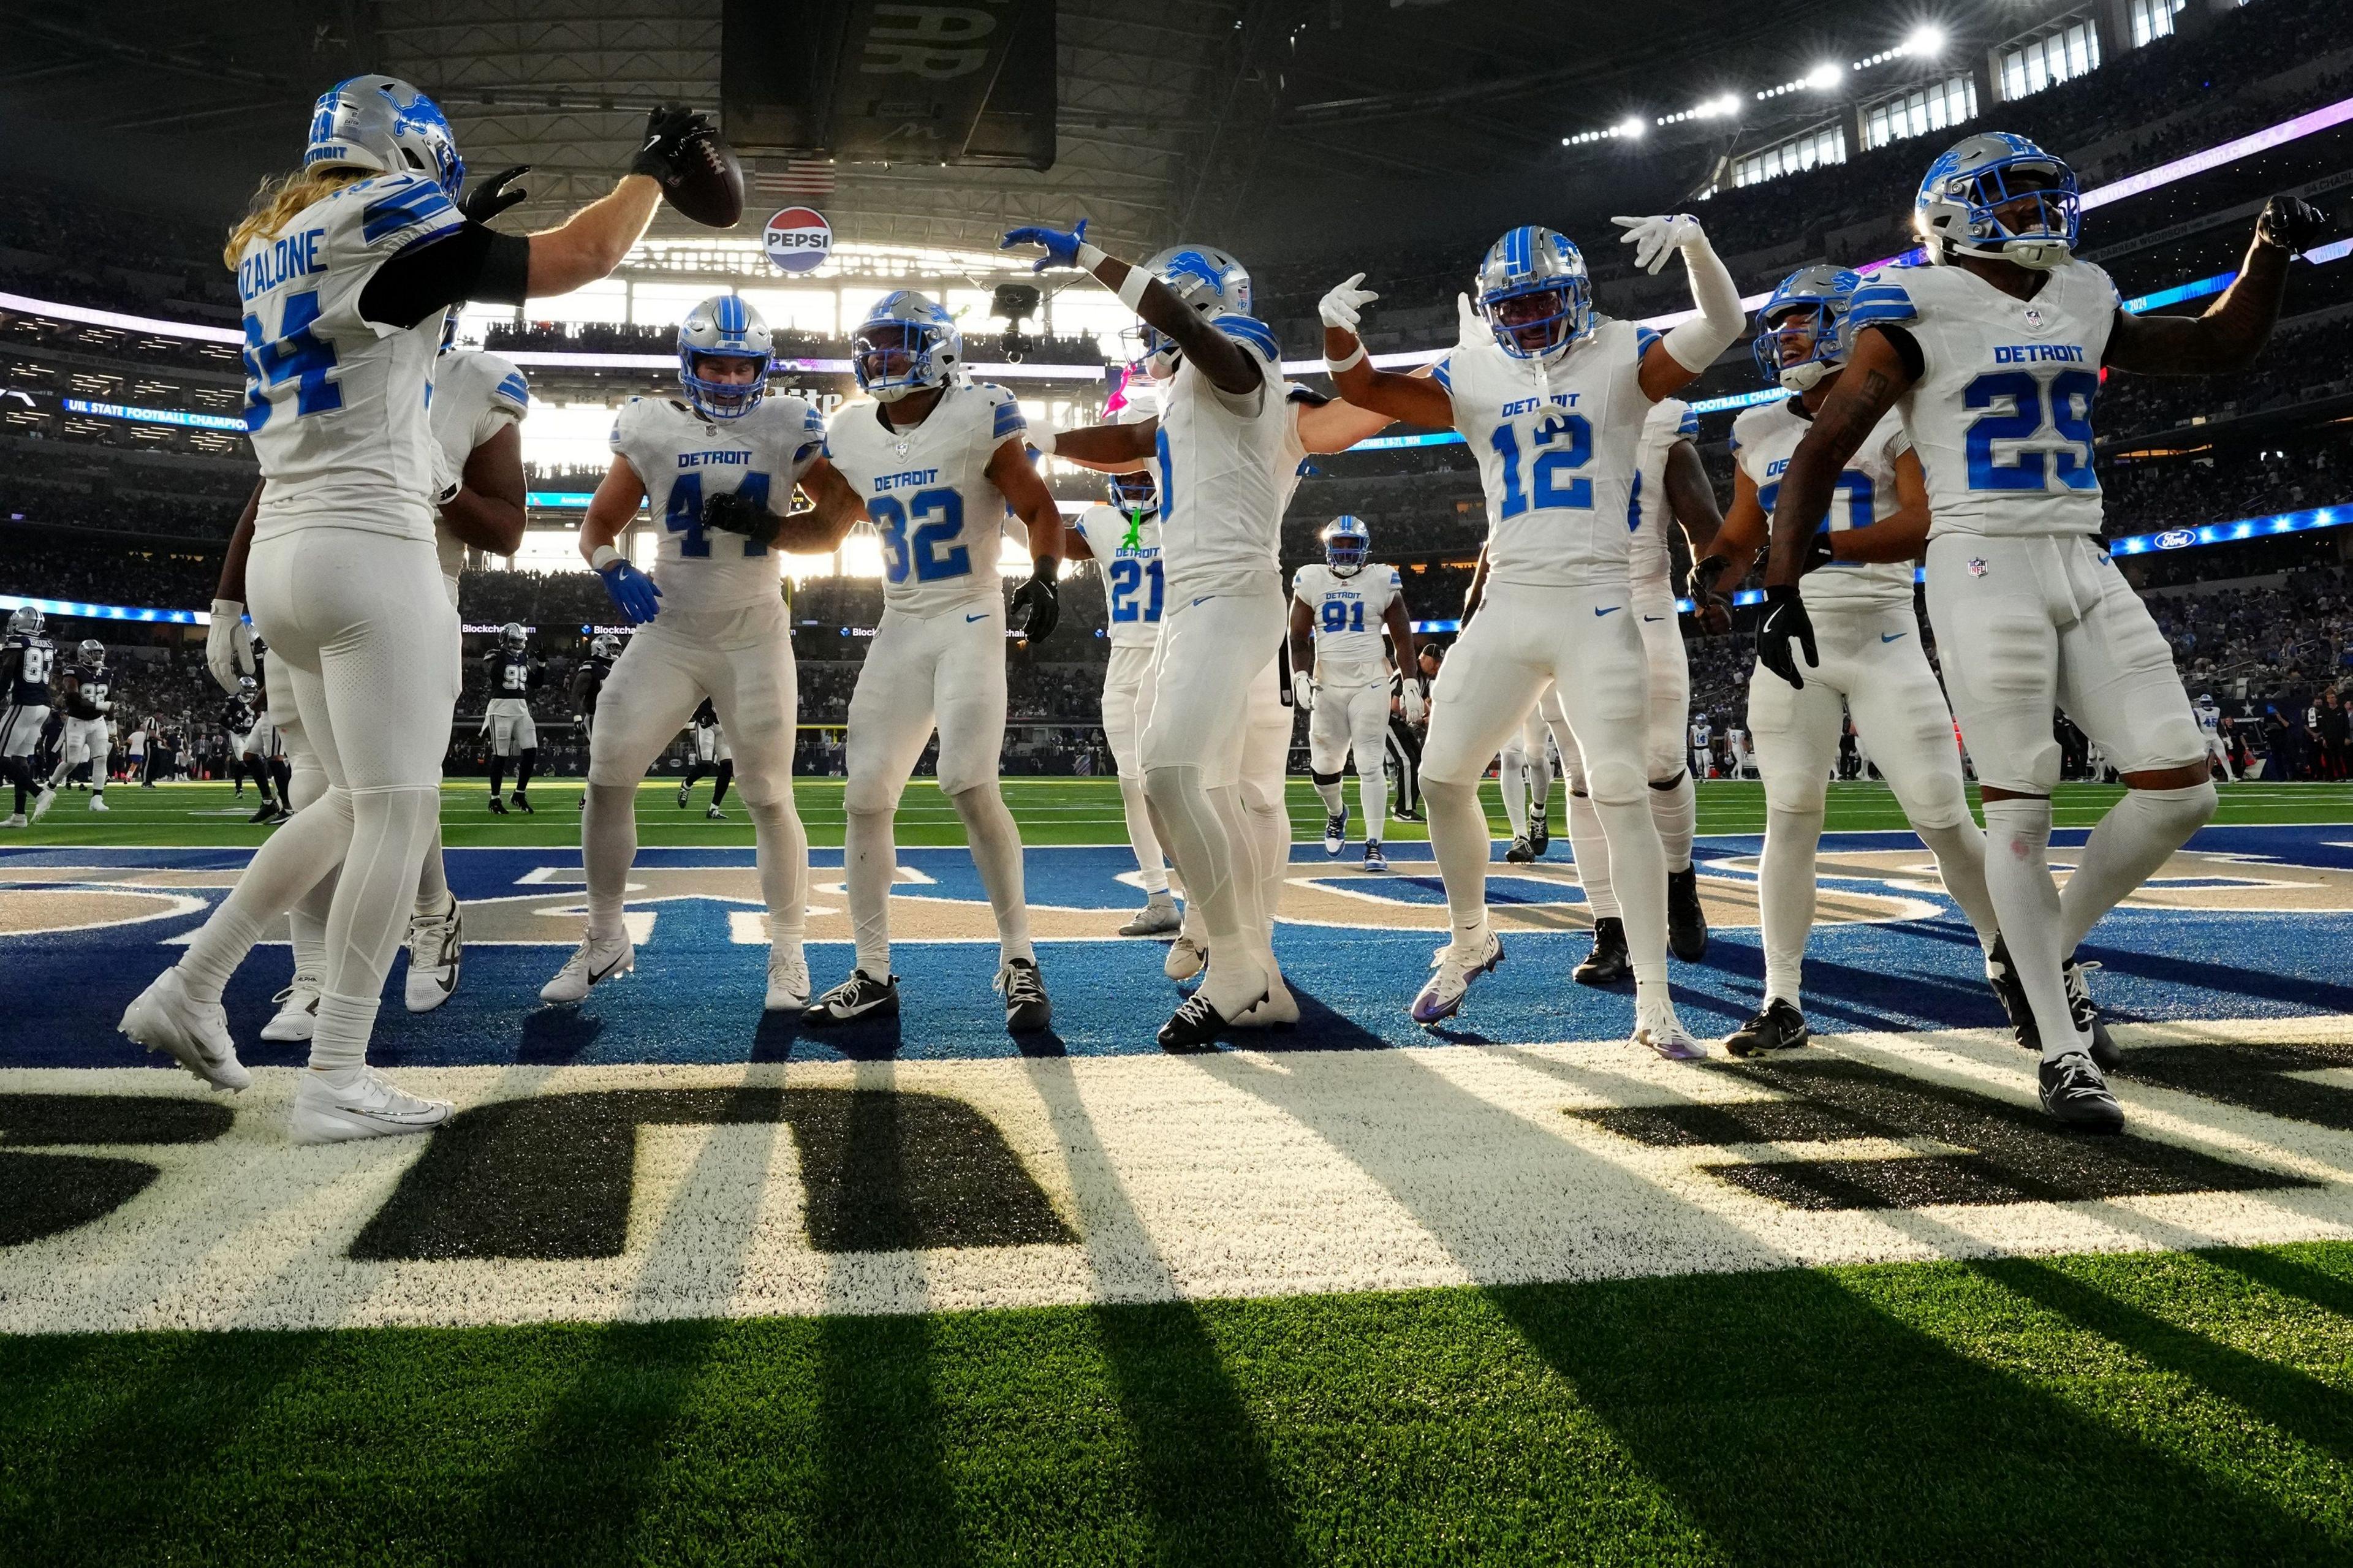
{"x": 276, "y": 202}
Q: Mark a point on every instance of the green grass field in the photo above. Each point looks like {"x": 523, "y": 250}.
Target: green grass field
{"x": 1050, "y": 811}
{"x": 2140, "y": 1409}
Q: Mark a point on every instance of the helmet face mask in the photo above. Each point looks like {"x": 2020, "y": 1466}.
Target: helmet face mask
{"x": 604, "y": 645}
{"x": 724, "y": 329}
{"x": 906, "y": 344}
{"x": 92, "y": 651}
{"x": 26, "y": 620}
{"x": 1346, "y": 543}
{"x": 1801, "y": 330}
{"x": 385, "y": 126}
{"x": 1137, "y": 490}
{"x": 1212, "y": 282}
{"x": 1533, "y": 289}
{"x": 512, "y": 635}
{"x": 2002, "y": 198}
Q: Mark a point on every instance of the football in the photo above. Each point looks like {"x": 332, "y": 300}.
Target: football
{"x": 710, "y": 188}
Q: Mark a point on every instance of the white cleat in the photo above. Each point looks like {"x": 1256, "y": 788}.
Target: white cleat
{"x": 592, "y": 964}
{"x": 98, "y": 802}
{"x": 1157, "y": 918}
{"x": 165, "y": 1017}
{"x": 367, "y": 1107}
{"x": 1453, "y": 969}
{"x": 1656, "y": 1025}
{"x": 1187, "y": 958}
{"x": 15, "y": 819}
{"x": 1277, "y": 1009}
{"x": 788, "y": 980}
{"x": 297, "y": 1011}
{"x": 42, "y": 802}
{"x": 437, "y": 948}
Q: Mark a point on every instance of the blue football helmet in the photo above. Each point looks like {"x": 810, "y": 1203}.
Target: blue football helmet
{"x": 1347, "y": 542}
{"x": 906, "y": 344}
{"x": 1960, "y": 201}
{"x": 1532, "y": 289}
{"x": 385, "y": 126}
{"x": 723, "y": 327}
{"x": 1808, "y": 310}
{"x": 1205, "y": 278}
{"x": 1137, "y": 490}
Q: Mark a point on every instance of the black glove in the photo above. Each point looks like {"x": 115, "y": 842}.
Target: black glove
{"x": 491, "y": 197}
{"x": 1819, "y": 552}
{"x": 1714, "y": 610}
{"x": 735, "y": 512}
{"x": 668, "y": 129}
{"x": 1786, "y": 622}
{"x": 2293, "y": 224}
{"x": 1043, "y": 598}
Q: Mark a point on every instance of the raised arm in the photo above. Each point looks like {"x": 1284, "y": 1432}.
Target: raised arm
{"x": 1216, "y": 356}
{"x": 2234, "y": 328}
{"x": 1686, "y": 349}
{"x": 1417, "y": 399}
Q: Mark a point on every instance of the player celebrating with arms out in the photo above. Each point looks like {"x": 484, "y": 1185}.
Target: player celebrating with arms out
{"x": 1992, "y": 352}
{"x": 1553, "y": 403}
{"x": 1344, "y": 604}
{"x": 711, "y": 624}
{"x": 1858, "y": 596}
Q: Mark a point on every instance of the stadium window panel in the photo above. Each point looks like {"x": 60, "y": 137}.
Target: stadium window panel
{"x": 1807, "y": 149}
{"x": 1935, "y": 107}
{"x": 569, "y": 435}
{"x": 1088, "y": 313}
{"x": 2153, "y": 19}
{"x": 550, "y": 550}
{"x": 2067, "y": 51}
{"x": 855, "y": 303}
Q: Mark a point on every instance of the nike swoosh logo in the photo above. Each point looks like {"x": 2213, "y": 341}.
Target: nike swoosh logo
{"x": 596, "y": 975}
{"x": 1205, "y": 598}
{"x": 1890, "y": 637}
{"x": 1653, "y": 620}
{"x": 982, "y": 617}
{"x": 1599, "y": 610}
{"x": 392, "y": 1117}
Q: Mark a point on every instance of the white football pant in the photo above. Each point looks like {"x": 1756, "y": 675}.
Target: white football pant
{"x": 512, "y": 729}
{"x": 83, "y": 741}
{"x": 1127, "y": 709}
{"x": 1351, "y": 717}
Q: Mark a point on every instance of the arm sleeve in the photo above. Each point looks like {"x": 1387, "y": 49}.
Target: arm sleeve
{"x": 1906, "y": 346}
{"x": 472, "y": 262}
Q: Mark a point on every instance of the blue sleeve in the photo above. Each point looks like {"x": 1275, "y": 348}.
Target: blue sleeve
{"x": 1882, "y": 300}
{"x": 1643, "y": 338}
{"x": 1689, "y": 428}
{"x": 1250, "y": 331}
{"x": 1443, "y": 376}
{"x": 513, "y": 390}
{"x": 1007, "y": 415}
{"x": 403, "y": 212}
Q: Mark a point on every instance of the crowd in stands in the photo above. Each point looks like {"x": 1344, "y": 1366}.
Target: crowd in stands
{"x": 549, "y": 337}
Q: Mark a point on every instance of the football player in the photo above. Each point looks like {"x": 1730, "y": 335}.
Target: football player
{"x": 346, "y": 269}
{"x": 1122, "y": 539}
{"x": 1340, "y": 607}
{"x": 1523, "y": 770}
{"x": 514, "y": 676}
{"x": 937, "y": 460}
{"x": 2209, "y": 730}
{"x": 711, "y": 753}
{"x": 1873, "y": 669}
{"x": 1992, "y": 351}
{"x": 712, "y": 624}
{"x": 1553, "y": 403}
{"x": 26, "y": 660}
{"x": 86, "y": 737}
{"x": 588, "y": 679}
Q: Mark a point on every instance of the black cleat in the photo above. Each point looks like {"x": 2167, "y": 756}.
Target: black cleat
{"x": 2002, "y": 976}
{"x": 859, "y": 996}
{"x": 1686, "y": 922}
{"x": 498, "y": 807}
{"x": 1521, "y": 852}
{"x": 681, "y": 796}
{"x": 1194, "y": 1026}
{"x": 2077, "y": 1096}
{"x": 1539, "y": 827}
{"x": 523, "y": 802}
{"x": 2105, "y": 1056}
{"x": 2011, "y": 992}
{"x": 1607, "y": 963}
{"x": 1027, "y": 1008}
{"x": 1402, "y": 814}
{"x": 269, "y": 813}
{"x": 1779, "y": 1028}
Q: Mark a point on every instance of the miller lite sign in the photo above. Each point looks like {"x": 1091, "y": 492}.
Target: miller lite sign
{"x": 797, "y": 239}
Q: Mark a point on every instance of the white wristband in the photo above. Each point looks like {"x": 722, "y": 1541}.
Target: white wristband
{"x": 606, "y": 555}
{"x": 1042, "y": 439}
{"x": 1132, "y": 287}
{"x": 1356, "y": 358}
{"x": 1087, "y": 256}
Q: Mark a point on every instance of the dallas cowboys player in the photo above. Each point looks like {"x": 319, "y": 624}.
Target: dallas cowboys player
{"x": 86, "y": 738}
{"x": 514, "y": 676}
{"x": 2210, "y": 730}
{"x": 26, "y": 660}
{"x": 346, "y": 270}
{"x": 1992, "y": 351}
{"x": 588, "y": 679}
{"x": 1340, "y": 607}
{"x": 711, "y": 754}
{"x": 1123, "y": 539}
{"x": 1553, "y": 403}
{"x": 712, "y": 624}
{"x": 1859, "y": 599}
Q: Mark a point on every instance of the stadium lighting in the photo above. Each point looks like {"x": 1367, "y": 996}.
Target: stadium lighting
{"x": 1630, "y": 128}
{"x": 1926, "y": 42}
{"x": 1825, "y": 76}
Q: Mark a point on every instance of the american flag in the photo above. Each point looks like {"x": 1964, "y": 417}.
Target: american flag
{"x": 796, "y": 178}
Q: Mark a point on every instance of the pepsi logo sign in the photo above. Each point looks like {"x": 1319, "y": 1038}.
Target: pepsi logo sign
{"x": 797, "y": 239}
{"x": 2175, "y": 539}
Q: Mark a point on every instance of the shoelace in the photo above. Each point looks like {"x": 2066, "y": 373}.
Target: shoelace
{"x": 1020, "y": 984}
{"x": 1196, "y": 1009}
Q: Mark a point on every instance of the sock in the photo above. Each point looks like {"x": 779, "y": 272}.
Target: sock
{"x": 869, "y": 861}
{"x": 2131, "y": 844}
{"x": 1195, "y": 831}
{"x": 1960, "y": 853}
{"x": 306, "y": 922}
{"x": 498, "y": 774}
{"x": 1512, "y": 780}
{"x": 1592, "y": 850}
{"x": 1638, "y": 876}
{"x": 1141, "y": 835}
{"x": 1250, "y": 884}
{"x": 1674, "y": 812}
{"x": 726, "y": 777}
{"x": 2026, "y": 900}
{"x": 284, "y": 771}
{"x": 1785, "y": 896}
{"x": 374, "y": 893}
{"x": 1458, "y": 840}
{"x": 608, "y": 847}
{"x": 996, "y": 856}
{"x": 1270, "y": 826}
{"x": 339, "y": 1036}
{"x": 1539, "y": 780}
{"x": 522, "y": 768}
{"x": 1373, "y": 802}
{"x": 1327, "y": 788}
{"x": 289, "y": 865}
{"x": 432, "y": 877}
{"x": 781, "y": 847}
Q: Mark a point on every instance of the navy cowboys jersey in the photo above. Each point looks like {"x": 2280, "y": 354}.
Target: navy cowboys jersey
{"x": 92, "y": 680}
{"x": 2002, "y": 414}
{"x": 1764, "y": 438}
{"x": 511, "y": 673}
{"x": 927, "y": 491}
{"x": 34, "y": 658}
{"x": 685, "y": 459}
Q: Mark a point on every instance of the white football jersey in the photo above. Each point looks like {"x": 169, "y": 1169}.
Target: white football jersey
{"x": 335, "y": 405}
{"x": 1556, "y": 446}
{"x": 1764, "y": 437}
{"x": 2002, "y": 414}
{"x": 1700, "y": 736}
{"x": 1348, "y": 613}
{"x": 2208, "y": 719}
{"x": 1650, "y": 557}
{"x": 1226, "y": 473}
{"x": 685, "y": 459}
{"x": 475, "y": 395}
{"x": 942, "y": 522}
{"x": 1134, "y": 580}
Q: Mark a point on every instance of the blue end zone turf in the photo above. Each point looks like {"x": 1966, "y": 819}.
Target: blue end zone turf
{"x": 695, "y": 995}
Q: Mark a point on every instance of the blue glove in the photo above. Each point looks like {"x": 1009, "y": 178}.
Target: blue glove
{"x": 633, "y": 592}
{"x": 1061, "y": 249}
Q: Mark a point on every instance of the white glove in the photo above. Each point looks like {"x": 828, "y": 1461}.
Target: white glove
{"x": 1655, "y": 239}
{"x": 1414, "y": 706}
{"x": 228, "y": 645}
{"x": 1471, "y": 328}
{"x": 1303, "y": 690}
{"x": 1344, "y": 306}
